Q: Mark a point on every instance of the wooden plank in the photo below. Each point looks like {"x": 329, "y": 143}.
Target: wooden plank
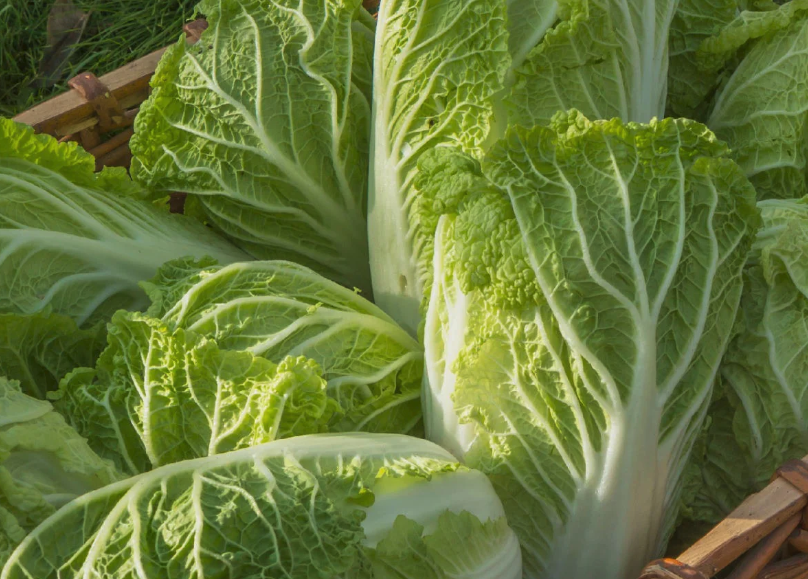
{"x": 761, "y": 554}
{"x": 799, "y": 540}
{"x": 791, "y": 568}
{"x": 69, "y": 112}
{"x": 758, "y": 516}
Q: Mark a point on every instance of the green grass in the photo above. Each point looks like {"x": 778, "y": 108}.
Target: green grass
{"x": 118, "y": 32}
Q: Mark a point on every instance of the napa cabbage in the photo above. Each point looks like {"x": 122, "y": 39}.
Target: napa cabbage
{"x": 265, "y": 123}
{"x": 584, "y": 293}
{"x": 352, "y": 505}
{"x": 458, "y": 73}
{"x": 758, "y": 415}
{"x": 44, "y": 464}
{"x": 235, "y": 356}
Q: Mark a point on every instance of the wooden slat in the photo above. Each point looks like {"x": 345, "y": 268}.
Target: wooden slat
{"x": 799, "y": 540}
{"x": 791, "y": 568}
{"x": 69, "y": 112}
{"x": 761, "y": 554}
{"x": 758, "y": 516}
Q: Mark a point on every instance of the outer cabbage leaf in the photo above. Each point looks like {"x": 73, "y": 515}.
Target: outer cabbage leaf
{"x": 326, "y": 506}
{"x": 580, "y": 308}
{"x": 606, "y": 58}
{"x": 76, "y": 242}
{"x": 276, "y": 309}
{"x": 760, "y": 111}
{"x": 760, "y": 418}
{"x": 39, "y": 349}
{"x": 691, "y": 79}
{"x": 528, "y": 21}
{"x": 44, "y": 464}
{"x": 438, "y": 66}
{"x": 265, "y": 121}
{"x": 159, "y": 396}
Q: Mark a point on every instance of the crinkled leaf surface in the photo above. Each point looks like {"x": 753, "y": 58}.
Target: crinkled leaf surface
{"x": 438, "y": 65}
{"x": 39, "y": 349}
{"x": 77, "y": 242}
{"x": 458, "y": 73}
{"x": 580, "y": 308}
{"x": 606, "y": 58}
{"x": 306, "y": 508}
{"x": 159, "y": 396}
{"x": 277, "y": 309}
{"x": 691, "y": 77}
{"x": 760, "y": 111}
{"x": 760, "y": 417}
{"x": 44, "y": 464}
{"x": 265, "y": 121}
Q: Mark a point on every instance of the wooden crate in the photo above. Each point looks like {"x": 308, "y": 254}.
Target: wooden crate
{"x": 99, "y": 111}
{"x": 766, "y": 536}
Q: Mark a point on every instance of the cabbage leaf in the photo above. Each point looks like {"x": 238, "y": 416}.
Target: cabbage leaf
{"x": 265, "y": 122}
{"x": 360, "y": 505}
{"x": 584, "y": 294}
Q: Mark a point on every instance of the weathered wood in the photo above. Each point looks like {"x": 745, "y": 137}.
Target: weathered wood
{"x": 792, "y": 568}
{"x": 70, "y": 113}
{"x": 758, "y": 516}
{"x": 756, "y": 559}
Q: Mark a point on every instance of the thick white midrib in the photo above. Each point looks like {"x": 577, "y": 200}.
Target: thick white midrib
{"x": 441, "y": 347}
{"x": 199, "y": 523}
{"x": 622, "y": 496}
{"x": 343, "y": 321}
{"x": 215, "y": 435}
{"x": 136, "y": 259}
{"x": 649, "y": 90}
{"x": 276, "y": 424}
{"x": 66, "y": 206}
{"x": 391, "y": 257}
{"x": 100, "y": 212}
{"x": 146, "y": 434}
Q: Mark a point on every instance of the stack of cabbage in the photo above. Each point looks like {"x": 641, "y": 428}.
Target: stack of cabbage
{"x": 578, "y": 228}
